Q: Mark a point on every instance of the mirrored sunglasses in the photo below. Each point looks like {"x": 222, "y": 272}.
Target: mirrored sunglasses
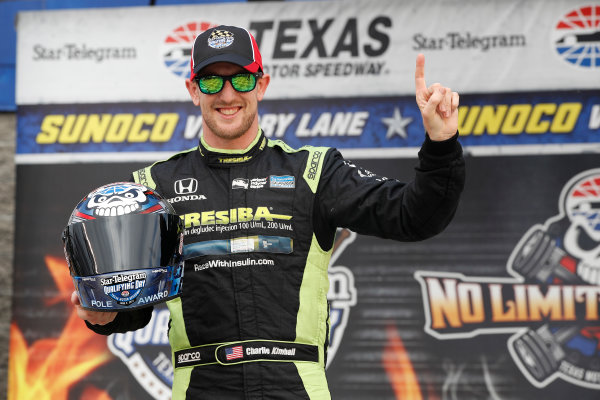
{"x": 212, "y": 84}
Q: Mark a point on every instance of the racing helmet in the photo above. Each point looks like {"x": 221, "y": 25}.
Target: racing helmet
{"x": 123, "y": 244}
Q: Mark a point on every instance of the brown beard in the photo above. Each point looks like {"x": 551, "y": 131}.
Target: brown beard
{"x": 227, "y": 134}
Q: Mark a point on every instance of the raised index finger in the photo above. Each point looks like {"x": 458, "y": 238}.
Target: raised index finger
{"x": 420, "y": 73}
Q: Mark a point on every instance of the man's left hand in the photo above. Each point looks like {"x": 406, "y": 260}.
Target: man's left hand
{"x": 438, "y": 105}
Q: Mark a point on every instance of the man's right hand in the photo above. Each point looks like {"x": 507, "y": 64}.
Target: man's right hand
{"x": 93, "y": 317}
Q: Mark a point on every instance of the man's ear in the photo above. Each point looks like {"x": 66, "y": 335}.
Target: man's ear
{"x": 192, "y": 88}
{"x": 262, "y": 84}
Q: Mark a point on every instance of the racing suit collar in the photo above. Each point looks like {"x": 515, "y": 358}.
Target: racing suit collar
{"x": 223, "y": 158}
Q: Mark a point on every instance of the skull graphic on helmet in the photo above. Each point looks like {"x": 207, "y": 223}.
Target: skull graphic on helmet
{"x": 117, "y": 200}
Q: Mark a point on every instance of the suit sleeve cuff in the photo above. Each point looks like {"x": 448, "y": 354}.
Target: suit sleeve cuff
{"x": 441, "y": 148}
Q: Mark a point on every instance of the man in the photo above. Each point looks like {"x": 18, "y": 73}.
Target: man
{"x": 252, "y": 322}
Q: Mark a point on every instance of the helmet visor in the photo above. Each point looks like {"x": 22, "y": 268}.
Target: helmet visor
{"x": 123, "y": 243}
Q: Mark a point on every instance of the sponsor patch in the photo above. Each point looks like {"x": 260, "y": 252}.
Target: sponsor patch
{"x": 186, "y": 186}
{"x": 254, "y": 183}
{"x": 284, "y": 182}
{"x": 219, "y": 39}
{"x": 191, "y": 197}
{"x": 233, "y": 353}
{"x": 124, "y": 288}
{"x": 242, "y": 245}
{"x": 258, "y": 183}
{"x": 314, "y": 164}
{"x": 239, "y": 183}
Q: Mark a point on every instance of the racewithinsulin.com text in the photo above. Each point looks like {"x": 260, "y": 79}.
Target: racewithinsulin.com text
{"x": 248, "y": 262}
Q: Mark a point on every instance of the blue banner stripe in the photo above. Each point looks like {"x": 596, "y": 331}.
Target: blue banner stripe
{"x": 571, "y": 117}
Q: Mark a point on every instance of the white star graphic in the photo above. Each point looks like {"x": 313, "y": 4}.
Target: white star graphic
{"x": 396, "y": 125}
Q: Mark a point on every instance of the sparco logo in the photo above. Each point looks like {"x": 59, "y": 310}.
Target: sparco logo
{"x": 186, "y": 186}
{"x": 189, "y": 357}
{"x": 550, "y": 303}
{"x": 314, "y": 165}
{"x": 143, "y": 179}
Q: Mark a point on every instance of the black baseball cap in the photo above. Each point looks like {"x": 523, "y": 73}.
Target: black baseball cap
{"x": 225, "y": 43}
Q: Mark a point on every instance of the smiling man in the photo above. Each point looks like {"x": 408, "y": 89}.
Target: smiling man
{"x": 228, "y": 114}
{"x": 252, "y": 320}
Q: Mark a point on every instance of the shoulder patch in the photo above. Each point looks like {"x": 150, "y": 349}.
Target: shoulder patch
{"x": 314, "y": 166}
{"x": 144, "y": 175}
{"x": 314, "y": 163}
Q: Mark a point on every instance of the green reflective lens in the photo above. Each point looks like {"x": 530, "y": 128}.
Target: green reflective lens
{"x": 212, "y": 84}
{"x": 243, "y": 82}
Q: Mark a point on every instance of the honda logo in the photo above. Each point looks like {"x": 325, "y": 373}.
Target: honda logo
{"x": 186, "y": 186}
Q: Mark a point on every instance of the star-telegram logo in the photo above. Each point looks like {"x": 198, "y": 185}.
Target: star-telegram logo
{"x": 177, "y": 47}
{"x": 576, "y": 37}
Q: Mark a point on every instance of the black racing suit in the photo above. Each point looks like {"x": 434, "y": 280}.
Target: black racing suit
{"x": 252, "y": 321}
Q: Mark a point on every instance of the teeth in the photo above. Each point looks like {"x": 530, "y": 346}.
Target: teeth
{"x": 228, "y": 111}
{"x": 594, "y": 277}
{"x": 589, "y": 273}
{"x": 118, "y": 210}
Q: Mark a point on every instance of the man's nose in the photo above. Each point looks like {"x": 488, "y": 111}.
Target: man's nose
{"x": 228, "y": 90}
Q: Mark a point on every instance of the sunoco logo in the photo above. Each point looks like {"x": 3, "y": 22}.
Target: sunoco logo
{"x": 550, "y": 303}
{"x": 177, "y": 47}
{"x": 576, "y": 37}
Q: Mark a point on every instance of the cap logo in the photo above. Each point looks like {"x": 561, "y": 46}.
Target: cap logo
{"x": 219, "y": 39}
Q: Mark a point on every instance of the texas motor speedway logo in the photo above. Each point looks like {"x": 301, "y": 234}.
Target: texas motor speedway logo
{"x": 343, "y": 40}
{"x": 576, "y": 37}
{"x": 177, "y": 47}
{"x": 550, "y": 302}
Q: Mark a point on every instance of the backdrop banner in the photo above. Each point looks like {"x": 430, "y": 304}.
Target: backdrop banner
{"x": 312, "y": 49}
{"x": 502, "y": 305}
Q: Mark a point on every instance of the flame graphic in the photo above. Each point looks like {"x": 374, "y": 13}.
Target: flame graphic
{"x": 50, "y": 367}
{"x": 399, "y": 369}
